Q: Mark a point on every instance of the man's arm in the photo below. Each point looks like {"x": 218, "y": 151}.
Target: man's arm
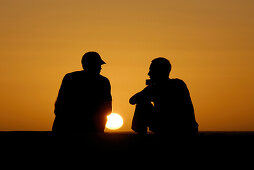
{"x": 142, "y": 96}
{"x": 107, "y": 103}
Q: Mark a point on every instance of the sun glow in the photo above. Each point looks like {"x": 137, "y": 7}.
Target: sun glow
{"x": 114, "y": 121}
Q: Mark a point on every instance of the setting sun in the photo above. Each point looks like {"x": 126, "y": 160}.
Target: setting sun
{"x": 114, "y": 121}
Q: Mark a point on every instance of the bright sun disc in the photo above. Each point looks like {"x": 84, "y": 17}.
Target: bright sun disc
{"x": 114, "y": 121}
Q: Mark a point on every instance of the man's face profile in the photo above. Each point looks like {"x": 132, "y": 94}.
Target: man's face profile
{"x": 154, "y": 72}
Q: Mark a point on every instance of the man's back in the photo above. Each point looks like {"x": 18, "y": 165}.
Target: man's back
{"x": 173, "y": 109}
{"x": 80, "y": 105}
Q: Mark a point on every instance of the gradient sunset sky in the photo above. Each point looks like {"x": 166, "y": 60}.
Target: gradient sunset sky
{"x": 210, "y": 44}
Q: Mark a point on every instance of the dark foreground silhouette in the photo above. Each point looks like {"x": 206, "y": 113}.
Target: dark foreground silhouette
{"x": 125, "y": 142}
{"x": 164, "y": 105}
{"x": 84, "y": 99}
{"x": 84, "y": 150}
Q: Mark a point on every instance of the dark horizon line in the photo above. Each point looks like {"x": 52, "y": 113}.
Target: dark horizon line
{"x": 130, "y": 132}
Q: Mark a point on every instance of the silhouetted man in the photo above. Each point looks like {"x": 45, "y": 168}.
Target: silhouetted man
{"x": 84, "y": 98}
{"x": 164, "y": 105}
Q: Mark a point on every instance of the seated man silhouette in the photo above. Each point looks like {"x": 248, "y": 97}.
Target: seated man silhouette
{"x": 164, "y": 105}
{"x": 84, "y": 98}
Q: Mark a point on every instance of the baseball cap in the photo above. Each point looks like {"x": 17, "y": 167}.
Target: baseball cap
{"x": 92, "y": 58}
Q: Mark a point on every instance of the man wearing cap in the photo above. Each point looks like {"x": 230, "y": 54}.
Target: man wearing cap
{"x": 84, "y": 98}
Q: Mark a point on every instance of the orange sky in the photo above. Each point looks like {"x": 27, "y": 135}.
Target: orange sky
{"x": 209, "y": 43}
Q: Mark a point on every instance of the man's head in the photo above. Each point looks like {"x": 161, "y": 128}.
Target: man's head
{"x": 91, "y": 62}
{"x": 159, "y": 69}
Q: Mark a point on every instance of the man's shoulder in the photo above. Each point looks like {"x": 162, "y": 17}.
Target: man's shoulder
{"x": 104, "y": 79}
{"x": 178, "y": 82}
{"x": 73, "y": 74}
{"x": 82, "y": 74}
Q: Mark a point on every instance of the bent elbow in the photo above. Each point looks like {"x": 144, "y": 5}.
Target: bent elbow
{"x": 132, "y": 101}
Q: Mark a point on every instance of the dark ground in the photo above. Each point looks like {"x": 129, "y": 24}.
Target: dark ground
{"x": 125, "y": 142}
{"x": 208, "y": 147}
